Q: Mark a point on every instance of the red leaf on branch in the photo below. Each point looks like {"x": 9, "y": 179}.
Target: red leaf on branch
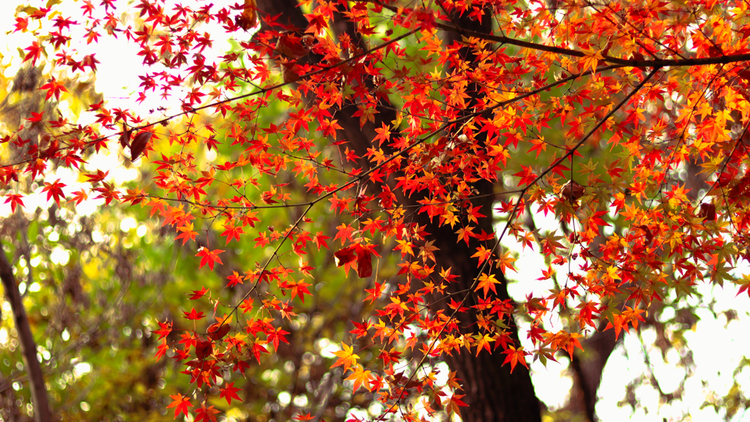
{"x": 34, "y": 52}
{"x": 209, "y": 257}
{"x": 180, "y": 404}
{"x": 229, "y": 392}
{"x": 54, "y": 190}
{"x": 194, "y": 315}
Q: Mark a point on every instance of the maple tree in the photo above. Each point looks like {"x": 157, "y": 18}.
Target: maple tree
{"x": 390, "y": 138}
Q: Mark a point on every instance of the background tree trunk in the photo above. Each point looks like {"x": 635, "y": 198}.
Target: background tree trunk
{"x": 28, "y": 346}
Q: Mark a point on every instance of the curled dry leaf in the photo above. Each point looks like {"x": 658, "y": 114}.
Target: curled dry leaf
{"x": 362, "y": 255}
{"x": 364, "y": 264}
{"x": 249, "y": 16}
{"x": 44, "y": 139}
{"x": 125, "y": 138}
{"x": 218, "y": 330}
{"x": 571, "y": 191}
{"x": 139, "y": 144}
{"x": 290, "y": 46}
{"x": 708, "y": 212}
{"x": 288, "y": 73}
{"x": 344, "y": 256}
{"x": 204, "y": 348}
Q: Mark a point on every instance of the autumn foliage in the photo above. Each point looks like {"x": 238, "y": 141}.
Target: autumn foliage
{"x": 625, "y": 120}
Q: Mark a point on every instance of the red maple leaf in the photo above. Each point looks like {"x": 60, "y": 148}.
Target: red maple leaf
{"x": 180, "y": 404}
{"x": 54, "y": 87}
{"x": 194, "y": 315}
{"x": 209, "y": 257}
{"x": 54, "y": 190}
{"x": 197, "y": 294}
{"x": 14, "y": 199}
{"x": 229, "y": 392}
{"x": 34, "y": 51}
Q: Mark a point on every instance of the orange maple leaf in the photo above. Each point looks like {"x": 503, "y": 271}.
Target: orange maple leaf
{"x": 514, "y": 357}
{"x": 486, "y": 283}
{"x": 360, "y": 378}
{"x": 346, "y": 357}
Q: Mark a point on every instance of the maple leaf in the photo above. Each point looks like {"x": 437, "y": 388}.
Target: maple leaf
{"x": 277, "y": 335}
{"x": 78, "y": 197}
{"x": 360, "y": 378}
{"x": 186, "y": 233}
{"x": 505, "y": 262}
{"x": 54, "y": 87}
{"x": 360, "y": 328}
{"x": 21, "y": 24}
{"x": 483, "y": 342}
{"x": 375, "y": 293}
{"x": 299, "y": 288}
{"x": 14, "y": 200}
{"x": 744, "y": 284}
{"x": 320, "y": 240}
{"x": 181, "y": 404}
{"x": 164, "y": 329}
{"x": 54, "y": 190}
{"x": 194, "y": 315}
{"x": 257, "y": 349}
{"x": 344, "y": 233}
{"x": 34, "y": 52}
{"x": 232, "y": 232}
{"x": 229, "y": 392}
{"x": 209, "y": 257}
{"x": 346, "y": 356}
{"x": 482, "y": 255}
{"x": 234, "y": 279}
{"x": 514, "y": 357}
{"x": 487, "y": 282}
{"x": 465, "y": 233}
{"x": 527, "y": 176}
{"x": 161, "y": 350}
{"x": 455, "y": 404}
{"x": 197, "y": 294}
{"x": 206, "y": 414}
{"x": 591, "y": 59}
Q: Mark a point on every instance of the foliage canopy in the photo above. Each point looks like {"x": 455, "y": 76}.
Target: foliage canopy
{"x": 400, "y": 141}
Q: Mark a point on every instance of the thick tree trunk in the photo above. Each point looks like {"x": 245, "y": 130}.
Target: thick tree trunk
{"x": 28, "y": 347}
{"x": 492, "y": 392}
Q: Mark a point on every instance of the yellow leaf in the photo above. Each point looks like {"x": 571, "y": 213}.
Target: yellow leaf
{"x": 346, "y": 357}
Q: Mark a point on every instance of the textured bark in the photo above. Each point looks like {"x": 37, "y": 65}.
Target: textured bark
{"x": 492, "y": 392}
{"x": 28, "y": 346}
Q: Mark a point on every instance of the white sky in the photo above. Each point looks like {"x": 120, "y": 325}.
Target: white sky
{"x": 716, "y": 349}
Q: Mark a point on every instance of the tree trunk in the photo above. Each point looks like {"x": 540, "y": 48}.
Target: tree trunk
{"x": 492, "y": 392}
{"x": 587, "y": 366}
{"x": 28, "y": 347}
